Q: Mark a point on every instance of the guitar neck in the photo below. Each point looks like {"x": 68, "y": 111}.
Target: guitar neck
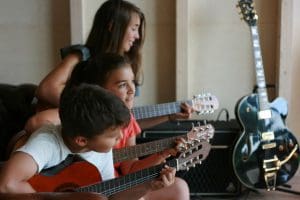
{"x": 259, "y": 69}
{"x": 143, "y": 112}
{"x": 113, "y": 186}
{"x": 143, "y": 149}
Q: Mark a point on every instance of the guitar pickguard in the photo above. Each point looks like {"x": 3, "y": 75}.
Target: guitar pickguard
{"x": 248, "y": 154}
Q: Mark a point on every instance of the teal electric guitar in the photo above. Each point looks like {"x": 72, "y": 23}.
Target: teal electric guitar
{"x": 265, "y": 156}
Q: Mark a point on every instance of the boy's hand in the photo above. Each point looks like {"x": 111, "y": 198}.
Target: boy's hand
{"x": 167, "y": 178}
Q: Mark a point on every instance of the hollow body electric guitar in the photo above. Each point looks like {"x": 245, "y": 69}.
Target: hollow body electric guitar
{"x": 265, "y": 155}
{"x": 198, "y": 133}
{"x": 81, "y": 176}
{"x": 202, "y": 104}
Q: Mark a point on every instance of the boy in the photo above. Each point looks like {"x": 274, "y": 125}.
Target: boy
{"x": 91, "y": 123}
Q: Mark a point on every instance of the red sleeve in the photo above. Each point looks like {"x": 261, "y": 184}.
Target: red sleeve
{"x": 132, "y": 129}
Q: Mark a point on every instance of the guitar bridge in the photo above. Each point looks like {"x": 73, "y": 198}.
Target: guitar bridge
{"x": 270, "y": 179}
{"x": 271, "y": 166}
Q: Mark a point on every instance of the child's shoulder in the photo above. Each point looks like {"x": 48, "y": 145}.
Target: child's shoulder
{"x": 46, "y": 134}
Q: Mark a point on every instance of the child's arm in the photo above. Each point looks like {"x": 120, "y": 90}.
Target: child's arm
{"x": 51, "y": 86}
{"x": 186, "y": 113}
{"x": 152, "y": 160}
{"x": 166, "y": 179}
{"x": 15, "y": 173}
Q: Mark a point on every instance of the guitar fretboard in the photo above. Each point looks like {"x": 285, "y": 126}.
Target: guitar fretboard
{"x": 143, "y": 149}
{"x": 260, "y": 76}
{"x": 143, "y": 112}
{"x": 113, "y": 186}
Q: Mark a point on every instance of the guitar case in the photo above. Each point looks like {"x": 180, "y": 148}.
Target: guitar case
{"x": 215, "y": 176}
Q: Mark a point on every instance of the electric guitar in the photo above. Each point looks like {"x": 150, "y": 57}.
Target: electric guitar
{"x": 198, "y": 133}
{"x": 83, "y": 177}
{"x": 202, "y": 104}
{"x": 265, "y": 155}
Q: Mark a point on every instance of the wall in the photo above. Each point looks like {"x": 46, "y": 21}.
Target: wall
{"x": 31, "y": 33}
{"x": 290, "y": 61}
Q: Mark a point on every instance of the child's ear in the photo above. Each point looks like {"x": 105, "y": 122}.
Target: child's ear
{"x": 81, "y": 141}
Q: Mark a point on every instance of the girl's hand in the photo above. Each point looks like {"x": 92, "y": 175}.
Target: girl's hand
{"x": 180, "y": 145}
{"x": 186, "y": 112}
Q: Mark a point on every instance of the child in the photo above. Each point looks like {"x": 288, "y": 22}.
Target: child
{"x": 114, "y": 73}
{"x": 91, "y": 123}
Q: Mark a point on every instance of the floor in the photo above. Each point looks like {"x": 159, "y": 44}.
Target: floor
{"x": 263, "y": 194}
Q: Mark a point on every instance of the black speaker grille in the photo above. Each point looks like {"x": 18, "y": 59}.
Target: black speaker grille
{"x": 214, "y": 176}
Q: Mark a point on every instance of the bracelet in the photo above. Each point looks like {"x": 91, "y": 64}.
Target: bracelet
{"x": 81, "y": 49}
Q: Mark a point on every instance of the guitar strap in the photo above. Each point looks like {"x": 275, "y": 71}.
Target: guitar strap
{"x": 71, "y": 158}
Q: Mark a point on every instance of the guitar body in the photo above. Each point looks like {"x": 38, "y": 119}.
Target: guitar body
{"x": 248, "y": 154}
{"x": 82, "y": 176}
{"x": 76, "y": 175}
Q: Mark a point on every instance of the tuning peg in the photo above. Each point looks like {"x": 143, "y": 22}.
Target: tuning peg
{"x": 295, "y": 155}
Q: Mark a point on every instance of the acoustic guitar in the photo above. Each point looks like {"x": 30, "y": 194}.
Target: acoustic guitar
{"x": 201, "y": 103}
{"x": 265, "y": 155}
{"x": 83, "y": 177}
{"x": 198, "y": 133}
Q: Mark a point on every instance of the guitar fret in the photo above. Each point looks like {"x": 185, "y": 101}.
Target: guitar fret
{"x": 260, "y": 77}
{"x": 143, "y": 149}
{"x": 119, "y": 184}
{"x": 142, "y": 112}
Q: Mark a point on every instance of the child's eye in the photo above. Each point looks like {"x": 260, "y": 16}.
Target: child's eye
{"x": 122, "y": 85}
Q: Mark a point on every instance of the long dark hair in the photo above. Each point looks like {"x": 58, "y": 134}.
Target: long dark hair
{"x": 108, "y": 30}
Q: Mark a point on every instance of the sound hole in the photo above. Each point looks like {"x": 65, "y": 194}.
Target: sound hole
{"x": 66, "y": 187}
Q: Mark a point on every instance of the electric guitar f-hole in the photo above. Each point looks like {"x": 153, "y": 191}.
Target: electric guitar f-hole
{"x": 265, "y": 155}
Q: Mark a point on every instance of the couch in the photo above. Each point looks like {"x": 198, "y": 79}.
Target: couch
{"x": 16, "y": 107}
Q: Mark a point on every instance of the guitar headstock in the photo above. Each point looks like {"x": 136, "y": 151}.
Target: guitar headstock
{"x": 247, "y": 11}
{"x": 193, "y": 155}
{"x": 201, "y": 133}
{"x": 205, "y": 103}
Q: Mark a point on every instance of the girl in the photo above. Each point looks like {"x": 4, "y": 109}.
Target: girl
{"x": 114, "y": 73}
{"x": 118, "y": 27}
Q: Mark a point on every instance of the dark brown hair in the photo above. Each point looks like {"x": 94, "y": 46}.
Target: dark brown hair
{"x": 108, "y": 30}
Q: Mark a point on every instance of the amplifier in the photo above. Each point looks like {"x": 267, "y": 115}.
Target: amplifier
{"x": 215, "y": 176}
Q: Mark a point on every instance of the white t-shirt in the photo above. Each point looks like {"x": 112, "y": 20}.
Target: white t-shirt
{"x": 48, "y": 149}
